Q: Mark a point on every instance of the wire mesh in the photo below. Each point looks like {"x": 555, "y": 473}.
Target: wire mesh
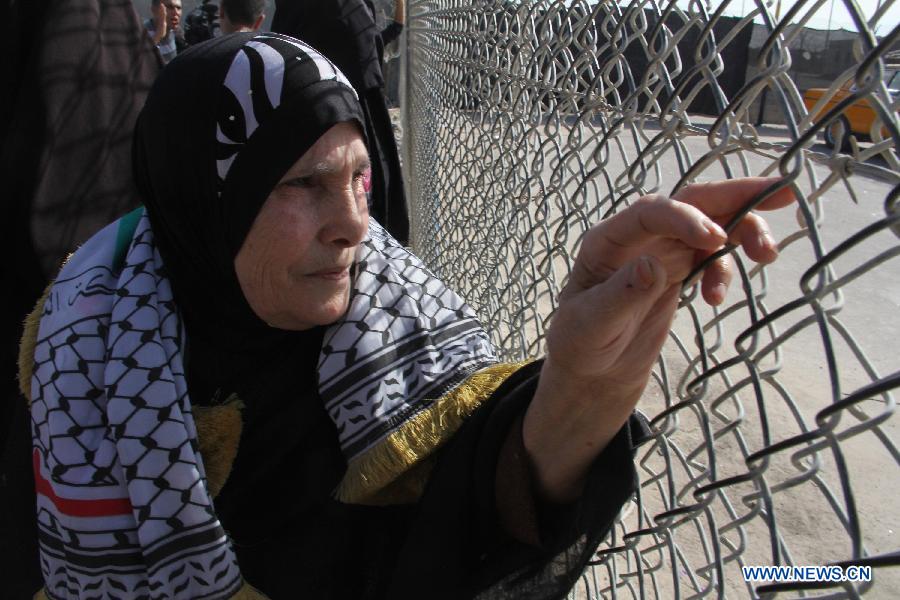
{"x": 773, "y": 415}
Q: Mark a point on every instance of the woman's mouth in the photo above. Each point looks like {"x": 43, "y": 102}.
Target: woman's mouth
{"x": 333, "y": 274}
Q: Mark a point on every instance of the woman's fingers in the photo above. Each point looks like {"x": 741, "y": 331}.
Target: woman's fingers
{"x": 724, "y": 198}
{"x": 620, "y": 238}
{"x": 752, "y": 233}
{"x": 716, "y": 280}
{"x": 657, "y": 216}
{"x": 682, "y": 231}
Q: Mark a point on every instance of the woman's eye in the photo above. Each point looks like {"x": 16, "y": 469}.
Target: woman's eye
{"x": 300, "y": 182}
{"x": 364, "y": 178}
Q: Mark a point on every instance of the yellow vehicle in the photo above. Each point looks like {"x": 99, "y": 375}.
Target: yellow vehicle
{"x": 857, "y": 119}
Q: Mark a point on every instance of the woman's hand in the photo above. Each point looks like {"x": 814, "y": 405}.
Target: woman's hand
{"x": 616, "y": 310}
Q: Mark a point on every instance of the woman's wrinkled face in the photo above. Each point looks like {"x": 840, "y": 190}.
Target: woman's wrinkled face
{"x": 294, "y": 265}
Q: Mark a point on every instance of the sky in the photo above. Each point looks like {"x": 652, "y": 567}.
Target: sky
{"x": 840, "y": 17}
{"x": 830, "y": 11}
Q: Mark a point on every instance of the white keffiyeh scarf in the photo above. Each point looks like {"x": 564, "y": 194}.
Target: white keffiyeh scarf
{"x": 124, "y": 510}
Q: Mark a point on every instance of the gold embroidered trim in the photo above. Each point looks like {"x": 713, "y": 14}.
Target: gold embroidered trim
{"x": 28, "y": 344}
{"x": 29, "y": 340}
{"x": 218, "y": 435}
{"x": 395, "y": 470}
{"x": 248, "y": 592}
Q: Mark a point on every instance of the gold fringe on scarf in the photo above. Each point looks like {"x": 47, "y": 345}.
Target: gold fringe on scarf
{"x": 248, "y": 592}
{"x": 218, "y": 433}
{"x": 29, "y": 340}
{"x": 28, "y": 344}
{"x": 396, "y": 469}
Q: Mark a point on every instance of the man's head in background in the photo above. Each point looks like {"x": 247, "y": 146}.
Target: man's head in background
{"x": 173, "y": 12}
{"x": 241, "y": 15}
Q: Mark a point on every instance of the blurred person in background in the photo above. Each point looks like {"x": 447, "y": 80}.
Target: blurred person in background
{"x": 241, "y": 15}
{"x": 75, "y": 75}
{"x": 163, "y": 28}
{"x": 345, "y": 31}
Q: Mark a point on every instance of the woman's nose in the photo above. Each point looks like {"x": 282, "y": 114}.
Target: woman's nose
{"x": 348, "y": 218}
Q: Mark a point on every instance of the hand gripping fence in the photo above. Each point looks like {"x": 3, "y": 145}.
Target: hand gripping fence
{"x": 773, "y": 415}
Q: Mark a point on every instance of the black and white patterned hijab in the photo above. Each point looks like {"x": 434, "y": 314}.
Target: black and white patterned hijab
{"x": 124, "y": 509}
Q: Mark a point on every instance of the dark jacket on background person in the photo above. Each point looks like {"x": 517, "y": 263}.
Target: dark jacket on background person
{"x": 75, "y": 75}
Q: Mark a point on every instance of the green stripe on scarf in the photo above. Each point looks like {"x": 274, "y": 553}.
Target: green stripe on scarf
{"x": 124, "y": 235}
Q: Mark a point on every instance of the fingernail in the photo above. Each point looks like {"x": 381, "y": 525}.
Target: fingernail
{"x": 713, "y": 228}
{"x": 642, "y": 275}
{"x": 766, "y": 240}
{"x": 719, "y": 292}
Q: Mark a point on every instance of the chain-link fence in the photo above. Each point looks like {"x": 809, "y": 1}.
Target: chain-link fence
{"x": 773, "y": 415}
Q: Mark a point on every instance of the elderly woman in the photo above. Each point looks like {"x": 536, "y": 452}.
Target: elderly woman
{"x": 248, "y": 389}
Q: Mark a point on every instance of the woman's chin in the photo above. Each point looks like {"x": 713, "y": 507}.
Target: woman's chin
{"x": 325, "y": 313}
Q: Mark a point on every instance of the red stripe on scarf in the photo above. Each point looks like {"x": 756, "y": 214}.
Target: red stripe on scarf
{"x": 105, "y": 507}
